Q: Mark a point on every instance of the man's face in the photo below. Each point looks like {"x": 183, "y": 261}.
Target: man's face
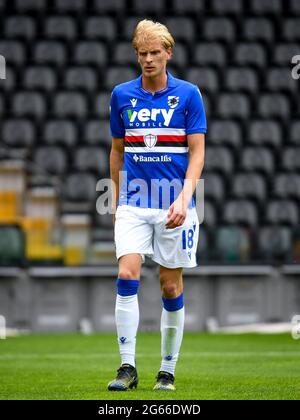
{"x": 153, "y": 58}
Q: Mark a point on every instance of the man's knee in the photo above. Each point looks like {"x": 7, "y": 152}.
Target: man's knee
{"x": 127, "y": 273}
{"x": 171, "y": 284}
{"x": 170, "y": 290}
{"x": 130, "y": 267}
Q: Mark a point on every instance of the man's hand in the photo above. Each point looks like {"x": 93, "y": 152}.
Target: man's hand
{"x": 176, "y": 213}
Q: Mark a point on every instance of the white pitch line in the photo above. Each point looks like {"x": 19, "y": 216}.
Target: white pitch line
{"x": 55, "y": 356}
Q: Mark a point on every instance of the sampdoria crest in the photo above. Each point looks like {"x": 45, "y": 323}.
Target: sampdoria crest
{"x": 173, "y": 101}
{"x": 150, "y": 140}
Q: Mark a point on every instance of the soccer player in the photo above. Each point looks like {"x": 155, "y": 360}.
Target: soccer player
{"x": 157, "y": 125}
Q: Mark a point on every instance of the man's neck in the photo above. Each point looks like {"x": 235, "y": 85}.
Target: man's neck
{"x": 155, "y": 84}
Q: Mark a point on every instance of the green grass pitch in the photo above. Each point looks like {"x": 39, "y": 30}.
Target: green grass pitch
{"x": 73, "y": 366}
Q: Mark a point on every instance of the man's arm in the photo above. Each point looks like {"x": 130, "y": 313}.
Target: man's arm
{"x": 116, "y": 161}
{"x": 177, "y": 210}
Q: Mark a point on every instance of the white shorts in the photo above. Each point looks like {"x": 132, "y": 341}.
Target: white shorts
{"x": 143, "y": 231}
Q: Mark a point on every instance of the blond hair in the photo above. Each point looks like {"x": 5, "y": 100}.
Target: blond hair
{"x": 147, "y": 30}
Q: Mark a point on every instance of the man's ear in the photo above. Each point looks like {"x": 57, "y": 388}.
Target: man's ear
{"x": 137, "y": 56}
{"x": 170, "y": 53}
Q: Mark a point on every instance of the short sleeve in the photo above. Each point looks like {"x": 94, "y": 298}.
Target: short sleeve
{"x": 195, "y": 113}
{"x": 116, "y": 122}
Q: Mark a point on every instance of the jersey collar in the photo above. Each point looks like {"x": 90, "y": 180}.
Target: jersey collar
{"x": 171, "y": 82}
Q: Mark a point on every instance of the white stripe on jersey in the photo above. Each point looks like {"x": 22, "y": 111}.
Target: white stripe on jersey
{"x": 155, "y": 131}
{"x": 156, "y": 149}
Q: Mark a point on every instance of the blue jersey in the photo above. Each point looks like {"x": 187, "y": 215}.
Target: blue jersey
{"x": 154, "y": 128}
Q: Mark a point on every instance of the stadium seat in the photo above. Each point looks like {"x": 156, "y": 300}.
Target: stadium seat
{"x": 219, "y": 29}
{"x": 12, "y": 245}
{"x": 249, "y": 185}
{"x": 13, "y": 51}
{"x": 91, "y": 159}
{"x": 70, "y": 104}
{"x": 145, "y": 7}
{"x": 81, "y": 79}
{"x": 282, "y": 212}
{"x": 204, "y": 246}
{"x": 50, "y": 52}
{"x": 31, "y": 5}
{"x": 240, "y": 212}
{"x": 40, "y": 248}
{"x": 93, "y": 132}
{"x": 294, "y": 7}
{"x": 124, "y": 54}
{"x": 280, "y": 80}
{"x": 287, "y": 185}
{"x": 100, "y": 27}
{"x": 9, "y": 83}
{"x": 10, "y": 205}
{"x": 32, "y": 104}
{"x": 273, "y": 105}
{"x": 224, "y": 133}
{"x": 110, "y": 6}
{"x": 258, "y": 29}
{"x": 101, "y": 104}
{"x": 2, "y": 104}
{"x": 188, "y": 7}
{"x": 283, "y": 53}
{"x": 291, "y": 29}
{"x": 227, "y": 7}
{"x": 294, "y": 133}
{"x": 232, "y": 244}
{"x": 182, "y": 28}
{"x": 97, "y": 132}
{"x": 214, "y": 188}
{"x": 210, "y": 54}
{"x": 274, "y": 243}
{"x": 250, "y": 54}
{"x": 210, "y": 214}
{"x": 180, "y": 55}
{"x": 205, "y": 78}
{"x": 20, "y": 27}
{"x": 116, "y": 75}
{"x": 80, "y": 187}
{"x": 40, "y": 78}
{"x": 50, "y": 159}
{"x": 105, "y": 135}
{"x": 105, "y": 222}
{"x": 18, "y": 133}
{"x": 233, "y": 105}
{"x": 291, "y": 159}
{"x": 265, "y": 132}
{"x": 241, "y": 79}
{"x": 264, "y": 7}
{"x": 90, "y": 52}
{"x": 219, "y": 159}
{"x": 60, "y": 27}
{"x": 70, "y": 6}
{"x": 129, "y": 25}
{"x": 258, "y": 159}
{"x": 60, "y": 132}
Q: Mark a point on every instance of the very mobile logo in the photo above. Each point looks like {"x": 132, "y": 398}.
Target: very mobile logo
{"x": 144, "y": 115}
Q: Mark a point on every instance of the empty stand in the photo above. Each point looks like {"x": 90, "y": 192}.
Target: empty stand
{"x": 64, "y": 57}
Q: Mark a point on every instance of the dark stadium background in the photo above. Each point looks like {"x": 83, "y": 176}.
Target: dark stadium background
{"x": 63, "y": 57}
